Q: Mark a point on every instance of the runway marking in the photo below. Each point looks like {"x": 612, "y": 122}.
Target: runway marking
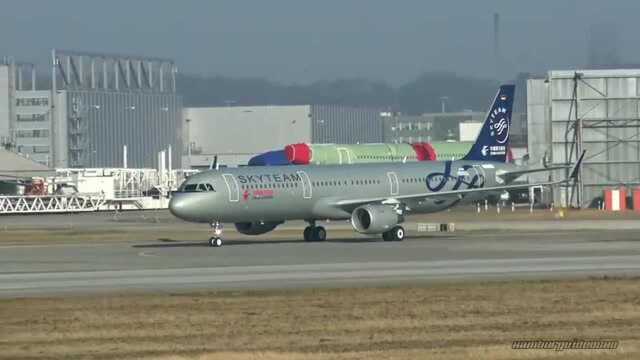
{"x": 144, "y": 253}
{"x": 85, "y": 244}
{"x": 265, "y": 276}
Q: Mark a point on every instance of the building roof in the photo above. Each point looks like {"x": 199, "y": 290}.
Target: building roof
{"x": 13, "y": 166}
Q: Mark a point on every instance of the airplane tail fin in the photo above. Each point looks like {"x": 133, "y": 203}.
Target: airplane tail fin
{"x": 492, "y": 142}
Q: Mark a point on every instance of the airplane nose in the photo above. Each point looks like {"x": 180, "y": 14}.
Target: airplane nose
{"x": 178, "y": 206}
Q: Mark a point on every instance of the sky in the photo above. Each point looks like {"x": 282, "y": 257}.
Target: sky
{"x": 299, "y": 41}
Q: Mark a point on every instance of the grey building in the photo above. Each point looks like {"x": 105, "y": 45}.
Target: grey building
{"x": 237, "y": 133}
{"x": 6, "y": 102}
{"x": 104, "y": 102}
{"x": 345, "y": 125}
{"x": 24, "y": 112}
{"x": 94, "y": 126}
{"x": 98, "y": 103}
{"x": 592, "y": 110}
{"x": 427, "y": 127}
{"x": 31, "y": 128}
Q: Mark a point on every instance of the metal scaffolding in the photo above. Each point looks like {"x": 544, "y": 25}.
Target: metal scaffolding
{"x": 603, "y": 118}
{"x": 80, "y": 70}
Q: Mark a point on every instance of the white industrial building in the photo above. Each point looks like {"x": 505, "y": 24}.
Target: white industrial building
{"x": 593, "y": 110}
{"x": 237, "y": 133}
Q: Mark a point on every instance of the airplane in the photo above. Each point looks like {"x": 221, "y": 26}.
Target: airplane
{"x": 375, "y": 197}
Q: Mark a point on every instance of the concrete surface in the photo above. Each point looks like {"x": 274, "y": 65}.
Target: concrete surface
{"x": 492, "y": 250}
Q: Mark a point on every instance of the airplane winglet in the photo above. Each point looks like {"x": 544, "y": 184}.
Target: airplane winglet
{"x": 214, "y": 163}
{"x": 577, "y": 165}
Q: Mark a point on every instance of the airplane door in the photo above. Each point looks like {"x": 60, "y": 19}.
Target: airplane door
{"x": 307, "y": 191}
{"x": 232, "y": 187}
{"x": 343, "y": 154}
{"x": 393, "y": 183}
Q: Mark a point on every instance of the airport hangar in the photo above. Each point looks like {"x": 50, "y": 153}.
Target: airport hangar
{"x": 97, "y": 104}
{"x": 593, "y": 110}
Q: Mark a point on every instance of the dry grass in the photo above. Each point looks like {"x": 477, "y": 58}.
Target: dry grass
{"x": 476, "y": 321}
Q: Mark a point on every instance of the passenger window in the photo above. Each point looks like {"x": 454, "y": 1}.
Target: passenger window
{"x": 202, "y": 187}
{"x": 210, "y": 187}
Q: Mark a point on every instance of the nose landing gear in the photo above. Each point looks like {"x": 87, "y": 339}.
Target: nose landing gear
{"x": 216, "y": 239}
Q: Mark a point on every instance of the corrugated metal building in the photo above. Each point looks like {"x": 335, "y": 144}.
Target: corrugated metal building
{"x": 594, "y": 110}
{"x": 345, "y": 125}
{"x": 106, "y": 101}
{"x": 237, "y": 133}
{"x": 100, "y": 123}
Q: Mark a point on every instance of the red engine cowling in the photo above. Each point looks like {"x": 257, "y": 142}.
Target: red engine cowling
{"x": 424, "y": 151}
{"x": 299, "y": 154}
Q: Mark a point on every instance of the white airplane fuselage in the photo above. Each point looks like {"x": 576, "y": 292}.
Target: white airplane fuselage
{"x": 279, "y": 193}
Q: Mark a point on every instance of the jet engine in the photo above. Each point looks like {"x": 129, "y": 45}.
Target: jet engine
{"x": 374, "y": 219}
{"x": 256, "y": 228}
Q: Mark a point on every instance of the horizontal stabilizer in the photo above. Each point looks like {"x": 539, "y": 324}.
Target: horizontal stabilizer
{"x": 509, "y": 176}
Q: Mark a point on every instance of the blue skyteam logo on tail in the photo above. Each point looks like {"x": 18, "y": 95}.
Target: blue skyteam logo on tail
{"x": 500, "y": 125}
{"x": 492, "y": 143}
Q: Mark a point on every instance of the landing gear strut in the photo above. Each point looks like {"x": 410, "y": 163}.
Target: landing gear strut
{"x": 314, "y": 233}
{"x": 395, "y": 234}
{"x": 216, "y": 239}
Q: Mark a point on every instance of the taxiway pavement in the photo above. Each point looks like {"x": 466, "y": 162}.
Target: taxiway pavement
{"x": 281, "y": 260}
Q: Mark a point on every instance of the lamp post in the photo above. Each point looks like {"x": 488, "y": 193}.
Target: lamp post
{"x": 188, "y": 121}
{"x": 443, "y": 102}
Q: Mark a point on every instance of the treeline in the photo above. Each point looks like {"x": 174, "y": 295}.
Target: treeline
{"x": 421, "y": 95}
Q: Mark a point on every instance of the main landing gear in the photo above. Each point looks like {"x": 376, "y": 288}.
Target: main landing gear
{"x": 395, "y": 234}
{"x": 216, "y": 239}
{"x": 314, "y": 233}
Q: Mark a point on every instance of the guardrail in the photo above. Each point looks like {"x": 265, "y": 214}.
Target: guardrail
{"x": 36, "y": 204}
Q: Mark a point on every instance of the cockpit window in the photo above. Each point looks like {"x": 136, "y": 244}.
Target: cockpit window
{"x": 198, "y": 188}
{"x": 190, "y": 188}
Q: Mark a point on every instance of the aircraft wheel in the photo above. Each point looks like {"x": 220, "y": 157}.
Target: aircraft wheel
{"x": 319, "y": 233}
{"x": 215, "y": 242}
{"x": 308, "y": 232}
{"x": 397, "y": 233}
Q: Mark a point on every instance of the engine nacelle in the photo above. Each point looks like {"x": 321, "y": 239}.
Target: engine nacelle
{"x": 374, "y": 219}
{"x": 256, "y": 228}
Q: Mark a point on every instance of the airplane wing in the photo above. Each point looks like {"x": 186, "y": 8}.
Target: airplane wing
{"x": 460, "y": 193}
{"x": 509, "y": 176}
{"x": 439, "y": 194}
